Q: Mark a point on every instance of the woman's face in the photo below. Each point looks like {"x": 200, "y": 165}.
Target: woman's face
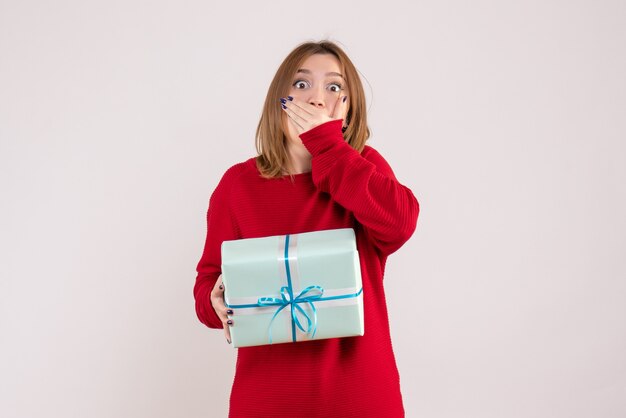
{"x": 319, "y": 82}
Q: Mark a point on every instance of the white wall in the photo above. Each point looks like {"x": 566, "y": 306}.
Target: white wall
{"x": 506, "y": 119}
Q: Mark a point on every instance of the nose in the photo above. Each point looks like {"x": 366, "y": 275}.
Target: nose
{"x": 317, "y": 103}
{"x": 317, "y": 97}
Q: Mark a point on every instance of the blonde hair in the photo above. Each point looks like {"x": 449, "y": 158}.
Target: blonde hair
{"x": 271, "y": 140}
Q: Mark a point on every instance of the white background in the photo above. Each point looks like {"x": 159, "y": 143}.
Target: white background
{"x": 506, "y": 119}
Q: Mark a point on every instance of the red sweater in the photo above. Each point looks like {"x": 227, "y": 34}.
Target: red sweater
{"x": 338, "y": 377}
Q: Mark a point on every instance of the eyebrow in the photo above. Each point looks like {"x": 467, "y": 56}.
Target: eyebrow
{"x": 332, "y": 73}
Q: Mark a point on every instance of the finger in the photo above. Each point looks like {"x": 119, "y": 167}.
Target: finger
{"x": 218, "y": 288}
{"x": 219, "y": 307}
{"x": 340, "y": 107}
{"x": 224, "y": 312}
{"x": 218, "y": 302}
{"x": 337, "y": 112}
{"x": 296, "y": 113}
{"x": 229, "y": 323}
{"x": 299, "y": 107}
{"x": 295, "y": 122}
{"x": 298, "y": 125}
{"x": 227, "y": 334}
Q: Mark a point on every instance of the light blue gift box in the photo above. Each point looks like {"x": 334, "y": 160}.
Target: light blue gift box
{"x": 294, "y": 287}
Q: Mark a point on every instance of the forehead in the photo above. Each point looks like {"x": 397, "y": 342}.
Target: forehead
{"x": 320, "y": 65}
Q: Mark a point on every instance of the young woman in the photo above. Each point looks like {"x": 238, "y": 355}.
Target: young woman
{"x": 313, "y": 172}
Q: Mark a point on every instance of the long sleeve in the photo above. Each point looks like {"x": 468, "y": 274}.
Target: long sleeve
{"x": 387, "y": 209}
{"x": 220, "y": 227}
{"x": 350, "y": 377}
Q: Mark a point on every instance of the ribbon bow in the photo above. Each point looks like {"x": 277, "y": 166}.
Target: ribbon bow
{"x": 287, "y": 299}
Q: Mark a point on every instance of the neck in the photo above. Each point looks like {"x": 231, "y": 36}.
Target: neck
{"x": 299, "y": 156}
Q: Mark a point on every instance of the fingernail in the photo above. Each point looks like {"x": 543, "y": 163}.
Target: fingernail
{"x": 345, "y": 98}
{"x": 229, "y": 322}
{"x": 228, "y": 340}
{"x": 284, "y": 107}
{"x": 290, "y": 98}
{"x": 229, "y": 312}
{"x": 221, "y": 287}
{"x": 283, "y": 101}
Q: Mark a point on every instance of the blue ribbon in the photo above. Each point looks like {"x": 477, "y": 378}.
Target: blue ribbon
{"x": 287, "y": 299}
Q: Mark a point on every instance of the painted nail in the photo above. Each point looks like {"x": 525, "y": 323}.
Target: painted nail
{"x": 229, "y": 322}
{"x": 345, "y": 98}
{"x": 290, "y": 98}
{"x": 229, "y": 312}
{"x": 228, "y": 340}
{"x": 221, "y": 287}
{"x": 284, "y": 107}
{"x": 283, "y": 101}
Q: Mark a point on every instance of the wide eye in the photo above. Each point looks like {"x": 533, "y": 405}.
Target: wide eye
{"x": 299, "y": 83}
{"x": 337, "y": 86}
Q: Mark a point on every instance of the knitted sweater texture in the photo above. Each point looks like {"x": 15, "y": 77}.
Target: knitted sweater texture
{"x": 338, "y": 377}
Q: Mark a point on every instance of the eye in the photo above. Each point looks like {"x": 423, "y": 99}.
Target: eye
{"x": 301, "y": 84}
{"x": 339, "y": 87}
{"x": 298, "y": 83}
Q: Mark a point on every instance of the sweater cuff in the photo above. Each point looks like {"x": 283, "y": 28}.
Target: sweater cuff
{"x": 323, "y": 137}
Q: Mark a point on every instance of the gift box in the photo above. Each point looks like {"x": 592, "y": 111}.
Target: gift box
{"x": 293, "y": 288}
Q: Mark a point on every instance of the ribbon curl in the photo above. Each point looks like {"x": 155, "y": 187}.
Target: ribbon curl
{"x": 288, "y": 300}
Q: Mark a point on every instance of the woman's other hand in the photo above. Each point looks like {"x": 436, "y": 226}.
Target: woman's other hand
{"x": 217, "y": 300}
{"x": 304, "y": 117}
